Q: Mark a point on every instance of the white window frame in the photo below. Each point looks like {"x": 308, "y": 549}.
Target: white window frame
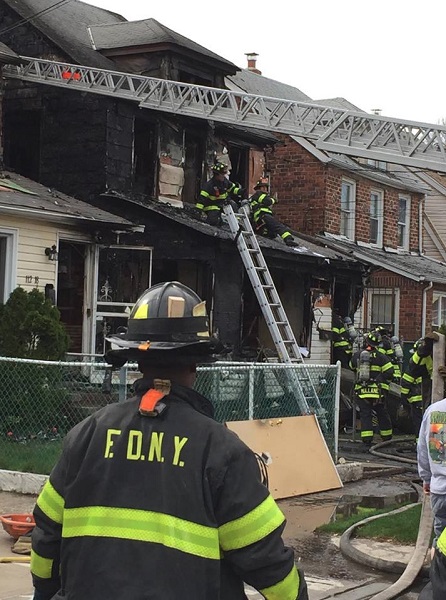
{"x": 384, "y": 292}
{"x": 436, "y": 318}
{"x": 379, "y": 194}
{"x": 9, "y": 269}
{"x": 405, "y": 224}
{"x": 348, "y": 215}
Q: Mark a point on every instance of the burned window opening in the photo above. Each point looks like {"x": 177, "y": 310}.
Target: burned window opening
{"x": 22, "y": 142}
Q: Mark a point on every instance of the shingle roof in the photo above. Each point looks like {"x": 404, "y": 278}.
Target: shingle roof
{"x": 143, "y": 33}
{"x": 19, "y": 195}
{"x": 413, "y": 266}
{"x": 7, "y": 55}
{"x": 307, "y": 248}
{"x": 253, "y": 83}
{"x": 338, "y": 103}
{"x": 67, "y": 26}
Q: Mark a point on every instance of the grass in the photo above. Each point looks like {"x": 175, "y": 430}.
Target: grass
{"x": 34, "y": 456}
{"x": 401, "y": 528}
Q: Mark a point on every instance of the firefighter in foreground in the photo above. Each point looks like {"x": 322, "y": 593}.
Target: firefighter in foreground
{"x": 216, "y": 192}
{"x": 436, "y": 588}
{"x": 373, "y": 373}
{"x": 152, "y": 498}
{"x": 343, "y": 335}
{"x": 264, "y": 223}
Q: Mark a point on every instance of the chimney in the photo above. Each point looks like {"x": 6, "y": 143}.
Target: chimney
{"x": 252, "y": 60}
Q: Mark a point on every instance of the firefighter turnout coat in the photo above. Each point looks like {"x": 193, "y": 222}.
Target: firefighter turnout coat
{"x": 215, "y": 193}
{"x": 159, "y": 507}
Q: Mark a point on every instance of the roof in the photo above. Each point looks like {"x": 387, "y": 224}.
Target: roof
{"x": 253, "y": 83}
{"x": 184, "y": 216}
{"x": 338, "y": 103}
{"x": 127, "y": 34}
{"x": 22, "y": 196}
{"x": 416, "y": 267}
{"x": 67, "y": 26}
{"x": 8, "y": 56}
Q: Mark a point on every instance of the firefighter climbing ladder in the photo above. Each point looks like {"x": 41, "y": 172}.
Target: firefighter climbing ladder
{"x": 272, "y": 308}
{"x": 329, "y": 128}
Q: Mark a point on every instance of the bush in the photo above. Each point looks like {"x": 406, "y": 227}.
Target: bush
{"x": 30, "y": 327}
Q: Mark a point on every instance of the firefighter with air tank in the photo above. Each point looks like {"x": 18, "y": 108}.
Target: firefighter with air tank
{"x": 374, "y": 371}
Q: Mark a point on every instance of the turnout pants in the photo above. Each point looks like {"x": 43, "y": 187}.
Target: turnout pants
{"x": 366, "y": 409}
{"x": 435, "y": 589}
{"x": 268, "y": 226}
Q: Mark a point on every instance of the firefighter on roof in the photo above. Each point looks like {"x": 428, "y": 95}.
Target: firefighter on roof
{"x": 216, "y": 192}
{"x": 261, "y": 209}
{"x": 373, "y": 370}
{"x": 152, "y": 498}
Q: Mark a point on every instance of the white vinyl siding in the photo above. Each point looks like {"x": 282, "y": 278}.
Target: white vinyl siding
{"x": 8, "y": 262}
{"x": 348, "y": 207}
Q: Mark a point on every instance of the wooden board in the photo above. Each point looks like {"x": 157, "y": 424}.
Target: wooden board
{"x": 301, "y": 463}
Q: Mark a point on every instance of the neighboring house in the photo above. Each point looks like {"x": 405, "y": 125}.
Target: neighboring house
{"x": 368, "y": 209}
{"x": 141, "y": 163}
{"x": 51, "y": 242}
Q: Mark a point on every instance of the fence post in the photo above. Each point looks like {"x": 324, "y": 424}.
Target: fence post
{"x": 122, "y": 384}
{"x": 251, "y": 393}
{"x": 337, "y": 409}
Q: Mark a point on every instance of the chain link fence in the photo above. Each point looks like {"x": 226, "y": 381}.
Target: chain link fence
{"x": 41, "y": 401}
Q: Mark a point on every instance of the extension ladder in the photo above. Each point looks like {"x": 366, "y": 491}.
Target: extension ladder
{"x": 272, "y": 309}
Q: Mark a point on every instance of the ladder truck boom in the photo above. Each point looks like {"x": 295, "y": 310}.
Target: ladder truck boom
{"x": 376, "y": 137}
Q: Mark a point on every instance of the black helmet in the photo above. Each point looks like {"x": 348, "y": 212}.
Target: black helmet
{"x": 261, "y": 183}
{"x": 220, "y": 167}
{"x": 167, "y": 324}
{"x": 373, "y": 338}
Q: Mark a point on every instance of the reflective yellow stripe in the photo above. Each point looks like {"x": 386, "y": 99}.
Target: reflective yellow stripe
{"x": 204, "y": 194}
{"x": 51, "y": 503}
{"x": 143, "y": 526}
{"x": 284, "y": 590}
{"x": 386, "y": 432}
{"x": 252, "y": 527}
{"x": 41, "y": 567}
{"x": 387, "y": 366}
{"x": 212, "y": 207}
{"x": 365, "y": 434}
{"x": 441, "y": 543}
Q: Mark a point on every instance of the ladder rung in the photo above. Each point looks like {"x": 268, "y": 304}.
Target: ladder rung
{"x": 254, "y": 250}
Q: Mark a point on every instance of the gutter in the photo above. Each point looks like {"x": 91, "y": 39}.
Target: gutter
{"x": 424, "y": 306}
{"x": 58, "y": 217}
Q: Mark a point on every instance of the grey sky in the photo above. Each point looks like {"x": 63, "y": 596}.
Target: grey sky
{"x": 386, "y": 54}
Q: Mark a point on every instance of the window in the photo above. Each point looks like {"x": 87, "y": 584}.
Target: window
{"x": 439, "y": 310}
{"x": 8, "y": 243}
{"x": 378, "y": 164}
{"x": 383, "y": 308}
{"x": 376, "y": 218}
{"x": 348, "y": 193}
{"x": 403, "y": 222}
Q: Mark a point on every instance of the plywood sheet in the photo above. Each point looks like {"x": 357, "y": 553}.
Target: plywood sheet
{"x": 301, "y": 463}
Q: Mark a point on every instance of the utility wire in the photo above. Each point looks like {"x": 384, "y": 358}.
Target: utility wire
{"x": 34, "y": 16}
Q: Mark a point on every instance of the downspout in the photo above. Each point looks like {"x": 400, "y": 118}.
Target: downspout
{"x": 420, "y": 224}
{"x": 423, "y": 313}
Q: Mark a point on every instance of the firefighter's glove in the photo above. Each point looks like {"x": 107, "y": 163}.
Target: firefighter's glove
{"x": 442, "y": 371}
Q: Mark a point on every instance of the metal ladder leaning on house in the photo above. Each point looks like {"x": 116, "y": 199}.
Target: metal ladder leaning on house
{"x": 275, "y": 316}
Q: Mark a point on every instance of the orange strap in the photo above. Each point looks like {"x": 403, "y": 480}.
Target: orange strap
{"x": 149, "y": 401}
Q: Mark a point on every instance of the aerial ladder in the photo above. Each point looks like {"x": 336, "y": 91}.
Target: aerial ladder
{"x": 359, "y": 134}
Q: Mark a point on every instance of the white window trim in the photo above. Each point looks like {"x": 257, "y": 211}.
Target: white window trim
{"x": 383, "y": 291}
{"x": 405, "y": 245}
{"x": 12, "y": 236}
{"x": 436, "y": 320}
{"x": 380, "y": 194}
{"x": 352, "y": 219}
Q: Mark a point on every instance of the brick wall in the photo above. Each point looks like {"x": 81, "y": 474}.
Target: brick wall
{"x": 309, "y": 195}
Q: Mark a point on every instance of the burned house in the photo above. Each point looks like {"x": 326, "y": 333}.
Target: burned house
{"x": 147, "y": 166}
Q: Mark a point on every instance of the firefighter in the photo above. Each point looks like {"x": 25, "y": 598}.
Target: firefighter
{"x": 264, "y": 223}
{"x": 416, "y": 381}
{"x": 152, "y": 498}
{"x": 373, "y": 370}
{"x": 216, "y": 192}
{"x": 342, "y": 342}
{"x": 435, "y": 589}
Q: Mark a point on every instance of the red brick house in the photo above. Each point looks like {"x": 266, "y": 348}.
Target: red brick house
{"x": 370, "y": 210}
